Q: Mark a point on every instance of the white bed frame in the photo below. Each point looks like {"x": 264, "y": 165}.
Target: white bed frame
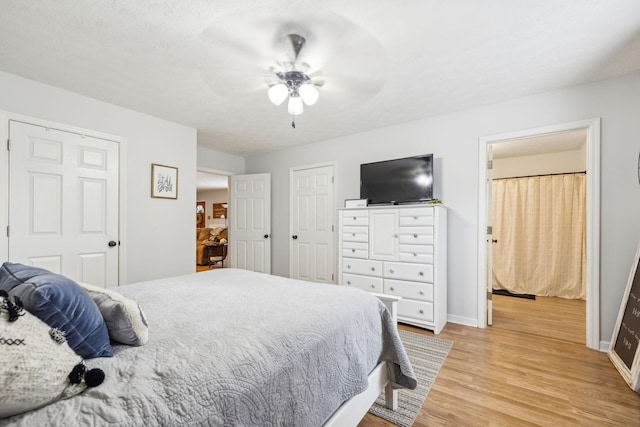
{"x": 354, "y": 409}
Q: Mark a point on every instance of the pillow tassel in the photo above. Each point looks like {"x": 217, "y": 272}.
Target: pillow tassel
{"x": 92, "y": 378}
{"x": 15, "y": 308}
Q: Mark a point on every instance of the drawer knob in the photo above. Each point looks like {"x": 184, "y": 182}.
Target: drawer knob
{"x": 415, "y": 217}
{"x": 391, "y": 271}
{"x": 373, "y": 269}
{"x": 354, "y": 218}
{"x": 415, "y": 235}
{"x": 421, "y": 273}
{"x": 353, "y": 250}
{"x": 395, "y": 236}
{"x": 391, "y": 289}
{"x": 415, "y": 254}
{"x": 373, "y": 286}
{"x": 421, "y": 293}
{"x": 353, "y": 234}
{"x": 348, "y": 266}
{"x": 421, "y": 311}
{"x": 348, "y": 282}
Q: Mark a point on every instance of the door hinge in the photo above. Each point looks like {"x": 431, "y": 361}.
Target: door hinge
{"x": 8, "y": 145}
{"x": 332, "y": 230}
{"x": 332, "y": 279}
{"x": 489, "y": 164}
{"x": 7, "y": 231}
{"x": 489, "y": 229}
{"x": 332, "y": 180}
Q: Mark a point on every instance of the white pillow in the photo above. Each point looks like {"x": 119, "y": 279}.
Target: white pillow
{"x": 124, "y": 317}
{"x": 35, "y": 368}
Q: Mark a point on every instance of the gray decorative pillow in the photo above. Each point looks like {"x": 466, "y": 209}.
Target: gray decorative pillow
{"x": 124, "y": 317}
{"x": 36, "y": 362}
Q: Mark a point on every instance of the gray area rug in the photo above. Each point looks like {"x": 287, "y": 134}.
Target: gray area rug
{"x": 427, "y": 355}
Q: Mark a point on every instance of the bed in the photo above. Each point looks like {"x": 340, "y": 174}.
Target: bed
{"x": 232, "y": 347}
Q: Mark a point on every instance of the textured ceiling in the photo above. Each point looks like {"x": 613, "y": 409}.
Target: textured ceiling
{"x": 203, "y": 63}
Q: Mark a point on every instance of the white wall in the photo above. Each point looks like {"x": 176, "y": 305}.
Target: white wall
{"x": 541, "y": 164}
{"x": 453, "y": 138}
{"x": 158, "y": 240}
{"x": 212, "y": 160}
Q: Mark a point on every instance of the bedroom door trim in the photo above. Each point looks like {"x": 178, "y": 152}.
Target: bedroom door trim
{"x": 5, "y": 118}
{"x": 592, "y": 126}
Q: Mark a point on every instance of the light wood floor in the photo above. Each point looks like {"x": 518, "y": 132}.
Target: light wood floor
{"x": 498, "y": 377}
{"x": 560, "y": 318}
{"x": 200, "y": 268}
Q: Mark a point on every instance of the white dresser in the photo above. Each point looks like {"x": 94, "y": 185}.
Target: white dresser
{"x": 400, "y": 251}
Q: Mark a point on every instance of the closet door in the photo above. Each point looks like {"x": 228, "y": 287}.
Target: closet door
{"x": 63, "y": 203}
{"x": 312, "y": 213}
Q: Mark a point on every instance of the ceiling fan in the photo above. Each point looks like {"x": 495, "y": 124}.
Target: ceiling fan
{"x": 293, "y": 81}
{"x": 294, "y": 56}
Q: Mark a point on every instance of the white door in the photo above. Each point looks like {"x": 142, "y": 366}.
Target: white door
{"x": 63, "y": 203}
{"x": 312, "y": 228}
{"x": 250, "y": 222}
{"x": 384, "y": 241}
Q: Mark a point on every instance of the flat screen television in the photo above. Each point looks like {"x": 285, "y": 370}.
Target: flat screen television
{"x": 406, "y": 180}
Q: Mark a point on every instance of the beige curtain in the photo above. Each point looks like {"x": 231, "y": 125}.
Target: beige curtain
{"x": 540, "y": 225}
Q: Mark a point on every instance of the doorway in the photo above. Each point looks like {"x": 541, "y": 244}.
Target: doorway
{"x": 538, "y": 202}
{"x": 212, "y": 192}
{"x": 592, "y": 131}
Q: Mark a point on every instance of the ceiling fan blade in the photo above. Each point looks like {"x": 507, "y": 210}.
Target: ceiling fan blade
{"x": 247, "y": 52}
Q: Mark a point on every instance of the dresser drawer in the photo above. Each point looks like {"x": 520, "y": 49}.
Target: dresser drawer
{"x": 412, "y": 290}
{"x": 416, "y": 217}
{"x": 416, "y": 310}
{"x": 356, "y": 217}
{"x": 416, "y": 235}
{"x": 362, "y": 266}
{"x": 355, "y": 250}
{"x": 366, "y": 283}
{"x": 411, "y": 272}
{"x": 355, "y": 234}
{"x": 417, "y": 253}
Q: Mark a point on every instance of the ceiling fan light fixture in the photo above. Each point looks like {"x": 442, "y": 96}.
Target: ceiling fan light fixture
{"x": 278, "y": 93}
{"x": 308, "y": 93}
{"x": 295, "y": 105}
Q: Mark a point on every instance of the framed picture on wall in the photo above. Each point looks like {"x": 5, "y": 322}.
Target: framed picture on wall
{"x": 219, "y": 210}
{"x": 164, "y": 181}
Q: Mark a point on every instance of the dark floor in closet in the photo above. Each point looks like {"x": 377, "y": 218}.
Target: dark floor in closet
{"x": 509, "y": 294}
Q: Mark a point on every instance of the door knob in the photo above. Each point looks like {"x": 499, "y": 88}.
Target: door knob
{"x": 112, "y": 243}
{"x": 294, "y": 237}
{"x": 266, "y": 236}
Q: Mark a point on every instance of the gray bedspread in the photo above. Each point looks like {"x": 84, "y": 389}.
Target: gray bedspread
{"x": 231, "y": 347}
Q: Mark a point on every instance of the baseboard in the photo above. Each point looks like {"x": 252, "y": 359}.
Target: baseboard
{"x": 604, "y": 346}
{"x": 466, "y": 321}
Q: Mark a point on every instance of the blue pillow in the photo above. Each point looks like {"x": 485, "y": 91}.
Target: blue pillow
{"x": 60, "y": 303}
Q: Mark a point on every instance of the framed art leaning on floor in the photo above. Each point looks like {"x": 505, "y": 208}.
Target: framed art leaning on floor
{"x": 624, "y": 350}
